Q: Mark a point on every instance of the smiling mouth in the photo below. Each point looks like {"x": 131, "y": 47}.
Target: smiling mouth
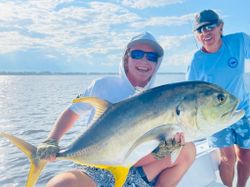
{"x": 207, "y": 38}
{"x": 144, "y": 69}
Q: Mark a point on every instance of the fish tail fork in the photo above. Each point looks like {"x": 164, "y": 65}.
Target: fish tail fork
{"x": 29, "y": 150}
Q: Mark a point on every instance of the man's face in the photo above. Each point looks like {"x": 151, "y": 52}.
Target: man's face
{"x": 210, "y": 38}
{"x": 141, "y": 66}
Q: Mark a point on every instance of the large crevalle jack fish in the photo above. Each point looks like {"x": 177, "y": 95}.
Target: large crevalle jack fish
{"x": 121, "y": 131}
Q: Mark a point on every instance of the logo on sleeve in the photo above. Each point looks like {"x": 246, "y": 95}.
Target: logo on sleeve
{"x": 232, "y": 62}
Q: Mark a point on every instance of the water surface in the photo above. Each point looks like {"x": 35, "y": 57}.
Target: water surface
{"x": 29, "y": 106}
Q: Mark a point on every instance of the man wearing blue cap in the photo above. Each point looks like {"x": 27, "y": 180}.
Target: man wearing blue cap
{"x": 142, "y": 58}
{"x": 221, "y": 60}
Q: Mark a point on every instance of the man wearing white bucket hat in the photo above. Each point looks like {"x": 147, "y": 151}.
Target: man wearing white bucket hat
{"x": 142, "y": 58}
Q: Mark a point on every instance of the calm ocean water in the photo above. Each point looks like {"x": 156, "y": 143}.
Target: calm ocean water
{"x": 29, "y": 105}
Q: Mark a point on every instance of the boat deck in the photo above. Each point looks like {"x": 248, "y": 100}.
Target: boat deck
{"x": 204, "y": 171}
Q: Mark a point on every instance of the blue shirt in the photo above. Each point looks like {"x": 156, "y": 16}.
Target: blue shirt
{"x": 225, "y": 67}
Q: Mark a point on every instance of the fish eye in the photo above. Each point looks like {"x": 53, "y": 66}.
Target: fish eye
{"x": 221, "y": 98}
{"x": 177, "y": 110}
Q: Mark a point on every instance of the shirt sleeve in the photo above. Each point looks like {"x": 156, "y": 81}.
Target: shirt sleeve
{"x": 191, "y": 73}
{"x": 246, "y": 39}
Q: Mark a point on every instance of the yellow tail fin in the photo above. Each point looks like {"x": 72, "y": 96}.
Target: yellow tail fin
{"x": 37, "y": 165}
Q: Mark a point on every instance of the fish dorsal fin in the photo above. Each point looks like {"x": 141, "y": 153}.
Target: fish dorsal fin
{"x": 100, "y": 105}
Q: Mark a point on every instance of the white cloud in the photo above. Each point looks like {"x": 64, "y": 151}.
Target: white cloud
{"x": 14, "y": 41}
{"x": 47, "y": 4}
{"x": 174, "y": 42}
{"x": 142, "y": 4}
{"x": 69, "y": 29}
{"x": 178, "y": 52}
{"x": 95, "y": 29}
{"x": 180, "y": 58}
{"x": 163, "y": 21}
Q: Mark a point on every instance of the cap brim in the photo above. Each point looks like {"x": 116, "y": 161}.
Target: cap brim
{"x": 206, "y": 23}
{"x": 151, "y": 43}
{"x": 201, "y": 25}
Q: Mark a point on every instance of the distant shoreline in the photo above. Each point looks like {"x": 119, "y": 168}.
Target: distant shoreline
{"x": 73, "y": 73}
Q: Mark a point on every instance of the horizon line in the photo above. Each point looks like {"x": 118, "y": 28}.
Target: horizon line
{"x": 69, "y": 73}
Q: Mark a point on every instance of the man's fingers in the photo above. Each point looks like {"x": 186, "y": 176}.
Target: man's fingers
{"x": 179, "y": 138}
{"x": 52, "y": 158}
{"x": 182, "y": 142}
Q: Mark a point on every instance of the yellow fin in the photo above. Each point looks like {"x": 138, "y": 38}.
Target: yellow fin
{"x": 30, "y": 151}
{"x": 100, "y": 105}
{"x": 120, "y": 174}
{"x": 36, "y": 168}
{"x": 27, "y": 148}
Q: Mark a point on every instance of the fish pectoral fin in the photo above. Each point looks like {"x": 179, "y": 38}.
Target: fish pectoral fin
{"x": 175, "y": 154}
{"x": 100, "y": 105}
{"x": 120, "y": 174}
{"x": 159, "y": 135}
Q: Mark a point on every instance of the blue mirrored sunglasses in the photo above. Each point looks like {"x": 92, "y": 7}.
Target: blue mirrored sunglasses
{"x": 139, "y": 54}
{"x": 207, "y": 28}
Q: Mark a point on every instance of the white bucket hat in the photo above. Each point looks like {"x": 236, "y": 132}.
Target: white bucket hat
{"x": 146, "y": 38}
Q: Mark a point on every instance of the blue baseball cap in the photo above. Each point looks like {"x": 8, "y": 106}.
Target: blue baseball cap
{"x": 206, "y": 17}
{"x": 149, "y": 39}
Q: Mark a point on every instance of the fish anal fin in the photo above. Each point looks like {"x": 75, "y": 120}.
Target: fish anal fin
{"x": 100, "y": 105}
{"x": 120, "y": 174}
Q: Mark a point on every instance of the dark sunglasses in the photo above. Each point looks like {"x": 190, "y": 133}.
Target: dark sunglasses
{"x": 139, "y": 54}
{"x": 207, "y": 28}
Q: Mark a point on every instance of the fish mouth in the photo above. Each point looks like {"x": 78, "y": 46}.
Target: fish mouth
{"x": 232, "y": 111}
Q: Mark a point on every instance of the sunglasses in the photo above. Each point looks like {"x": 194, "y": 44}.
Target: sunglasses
{"x": 207, "y": 28}
{"x": 139, "y": 54}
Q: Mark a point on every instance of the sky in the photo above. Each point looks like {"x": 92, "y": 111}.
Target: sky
{"x": 90, "y": 36}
